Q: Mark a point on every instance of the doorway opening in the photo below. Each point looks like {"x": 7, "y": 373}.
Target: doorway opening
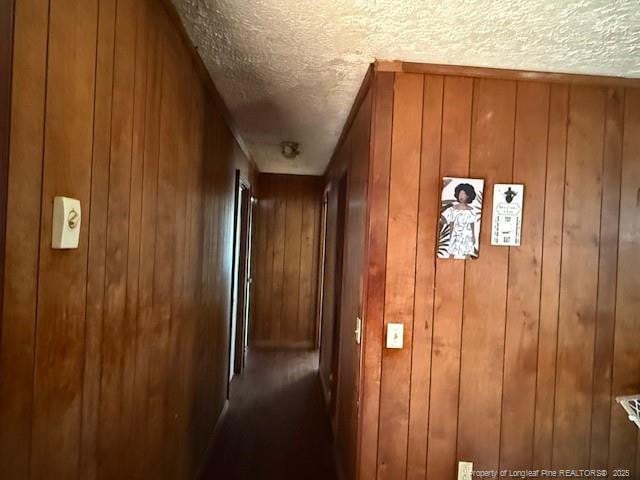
{"x": 241, "y": 284}
{"x": 337, "y": 321}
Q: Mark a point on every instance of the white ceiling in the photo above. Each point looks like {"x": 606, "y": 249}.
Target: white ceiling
{"x": 290, "y": 69}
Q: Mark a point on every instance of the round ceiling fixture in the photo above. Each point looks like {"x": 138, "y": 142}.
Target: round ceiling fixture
{"x": 290, "y": 149}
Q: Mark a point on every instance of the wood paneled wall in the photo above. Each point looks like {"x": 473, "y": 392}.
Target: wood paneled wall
{"x": 331, "y": 288}
{"x": 350, "y": 164}
{"x": 513, "y": 360}
{"x": 113, "y": 361}
{"x": 357, "y": 146}
{"x": 6, "y": 54}
{"x": 286, "y": 239}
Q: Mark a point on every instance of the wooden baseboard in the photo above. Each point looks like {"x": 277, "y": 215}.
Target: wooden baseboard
{"x": 212, "y": 440}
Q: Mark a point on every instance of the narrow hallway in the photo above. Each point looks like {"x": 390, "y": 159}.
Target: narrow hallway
{"x": 276, "y": 426}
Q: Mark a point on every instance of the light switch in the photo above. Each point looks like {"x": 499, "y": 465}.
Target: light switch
{"x": 465, "y": 470}
{"x": 65, "y": 232}
{"x": 358, "y": 330}
{"x": 395, "y": 334}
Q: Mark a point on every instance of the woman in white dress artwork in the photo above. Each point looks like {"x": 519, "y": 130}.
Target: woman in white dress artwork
{"x": 462, "y": 218}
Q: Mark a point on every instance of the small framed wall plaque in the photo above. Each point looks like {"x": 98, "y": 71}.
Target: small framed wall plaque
{"x": 508, "y": 200}
{"x": 460, "y": 215}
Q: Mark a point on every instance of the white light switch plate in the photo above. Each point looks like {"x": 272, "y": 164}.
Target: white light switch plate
{"x": 465, "y": 470}
{"x": 358, "y": 330}
{"x": 65, "y": 231}
{"x": 395, "y": 334}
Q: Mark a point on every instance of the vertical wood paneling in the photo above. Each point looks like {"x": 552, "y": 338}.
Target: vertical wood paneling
{"x": 524, "y": 281}
{"x": 531, "y": 344}
{"x": 626, "y": 368}
{"x": 428, "y": 213}
{"x": 97, "y": 240}
{"x": 285, "y": 245}
{"x": 579, "y": 277}
{"x": 263, "y": 321}
{"x": 550, "y": 275}
{"x": 292, "y": 271}
{"x": 127, "y": 114}
{"x": 174, "y": 381}
{"x": 67, "y": 171}
{"x": 327, "y": 316}
{"x": 311, "y": 287}
{"x": 448, "y": 293}
{"x": 351, "y": 287}
{"x": 378, "y": 201}
{"x": 166, "y": 231}
{"x": 18, "y": 323}
{"x": 277, "y": 278}
{"x": 259, "y": 249}
{"x": 309, "y": 249}
{"x": 485, "y": 289}
{"x": 607, "y": 279}
{"x": 400, "y": 278}
{"x": 147, "y": 246}
{"x": 193, "y": 266}
{"x": 115, "y": 286}
{"x": 130, "y": 330}
{"x": 7, "y": 9}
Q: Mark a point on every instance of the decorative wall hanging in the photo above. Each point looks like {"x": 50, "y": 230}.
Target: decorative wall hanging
{"x": 507, "y": 214}
{"x": 460, "y": 215}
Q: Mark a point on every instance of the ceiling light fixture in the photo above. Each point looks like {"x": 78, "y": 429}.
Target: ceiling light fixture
{"x": 290, "y": 149}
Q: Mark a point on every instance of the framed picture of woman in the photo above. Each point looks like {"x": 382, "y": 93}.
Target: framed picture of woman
{"x": 460, "y": 217}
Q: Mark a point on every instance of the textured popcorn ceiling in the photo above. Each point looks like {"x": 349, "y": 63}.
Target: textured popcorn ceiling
{"x": 290, "y": 69}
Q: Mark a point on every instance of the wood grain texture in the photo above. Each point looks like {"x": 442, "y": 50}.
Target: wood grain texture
{"x": 607, "y": 279}
{"x": 626, "y": 369}
{"x": 400, "y": 272}
{"x": 485, "y": 288}
{"x": 550, "y": 275}
{"x": 348, "y": 184}
{"x": 579, "y": 277}
{"x": 113, "y": 358}
{"x": 286, "y": 260}
{"x": 524, "y": 281}
{"x": 448, "y": 292}
{"x": 7, "y": 8}
{"x": 22, "y": 245}
{"x": 116, "y": 246}
{"x": 92, "y": 378}
{"x": 529, "y": 345}
{"x": 334, "y": 239}
{"x": 378, "y": 205}
{"x": 62, "y": 275}
{"x": 351, "y": 300}
{"x": 428, "y": 215}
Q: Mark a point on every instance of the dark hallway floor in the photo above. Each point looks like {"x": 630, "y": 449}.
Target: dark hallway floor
{"x": 277, "y": 426}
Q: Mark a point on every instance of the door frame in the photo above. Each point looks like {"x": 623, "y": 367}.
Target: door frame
{"x": 240, "y": 276}
{"x": 341, "y": 236}
{"x": 322, "y": 258}
{"x": 244, "y": 276}
{"x": 7, "y": 8}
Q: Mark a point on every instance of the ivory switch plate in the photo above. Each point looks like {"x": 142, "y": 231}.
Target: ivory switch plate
{"x": 65, "y": 231}
{"x": 358, "y": 331}
{"x": 395, "y": 334}
{"x": 465, "y": 470}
